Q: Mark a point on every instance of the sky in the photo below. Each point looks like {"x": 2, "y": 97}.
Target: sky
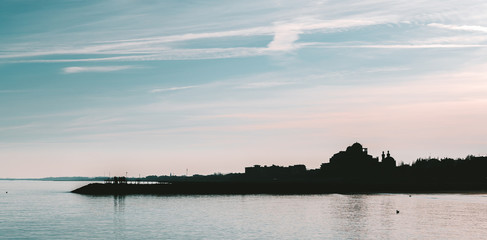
{"x": 98, "y": 88}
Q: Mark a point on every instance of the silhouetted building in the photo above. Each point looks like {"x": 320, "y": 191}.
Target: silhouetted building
{"x": 388, "y": 161}
{"x": 356, "y": 161}
{"x": 353, "y": 163}
{"x": 354, "y": 157}
{"x": 275, "y": 171}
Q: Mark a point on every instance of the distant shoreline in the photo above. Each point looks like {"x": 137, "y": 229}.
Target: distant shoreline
{"x": 353, "y": 170}
{"x": 58, "y": 179}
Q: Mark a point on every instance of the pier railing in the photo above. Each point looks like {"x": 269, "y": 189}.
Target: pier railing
{"x": 124, "y": 180}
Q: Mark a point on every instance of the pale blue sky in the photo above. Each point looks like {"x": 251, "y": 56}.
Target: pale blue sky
{"x": 158, "y": 87}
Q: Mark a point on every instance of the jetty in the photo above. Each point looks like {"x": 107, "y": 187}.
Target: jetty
{"x": 125, "y": 180}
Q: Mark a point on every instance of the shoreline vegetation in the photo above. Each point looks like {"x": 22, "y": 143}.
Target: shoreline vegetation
{"x": 349, "y": 171}
{"x": 81, "y": 179}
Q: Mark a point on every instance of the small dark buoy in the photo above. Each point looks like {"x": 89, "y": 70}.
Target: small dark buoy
{"x": 6, "y": 192}
{"x": 397, "y": 211}
{"x": 409, "y": 195}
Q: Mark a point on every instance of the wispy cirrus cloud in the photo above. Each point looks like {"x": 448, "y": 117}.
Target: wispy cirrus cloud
{"x": 158, "y": 90}
{"x": 285, "y": 33}
{"x": 391, "y": 46}
{"x": 158, "y": 42}
{"x": 457, "y": 39}
{"x": 471, "y": 28}
{"x": 284, "y": 38}
{"x": 69, "y": 70}
{"x": 14, "y": 91}
{"x": 18, "y": 127}
{"x": 265, "y": 84}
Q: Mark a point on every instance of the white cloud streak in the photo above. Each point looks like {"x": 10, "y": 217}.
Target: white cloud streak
{"x": 69, "y": 70}
{"x": 157, "y": 48}
{"x": 19, "y": 127}
{"x": 460, "y": 27}
{"x": 158, "y": 90}
{"x": 15, "y": 91}
{"x": 286, "y": 32}
{"x": 265, "y": 84}
{"x": 392, "y": 46}
{"x": 284, "y": 38}
{"x": 219, "y": 53}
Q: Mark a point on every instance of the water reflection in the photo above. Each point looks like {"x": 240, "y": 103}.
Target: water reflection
{"x": 388, "y": 206}
{"x": 119, "y": 216}
{"x": 119, "y": 203}
{"x": 350, "y": 211}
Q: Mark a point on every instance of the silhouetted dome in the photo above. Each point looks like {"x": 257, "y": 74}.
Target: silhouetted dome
{"x": 356, "y": 147}
{"x": 389, "y": 161}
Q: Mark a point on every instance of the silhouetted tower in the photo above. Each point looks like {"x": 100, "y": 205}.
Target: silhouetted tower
{"x": 388, "y": 161}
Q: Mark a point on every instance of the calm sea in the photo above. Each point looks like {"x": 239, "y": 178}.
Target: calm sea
{"x": 46, "y": 210}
